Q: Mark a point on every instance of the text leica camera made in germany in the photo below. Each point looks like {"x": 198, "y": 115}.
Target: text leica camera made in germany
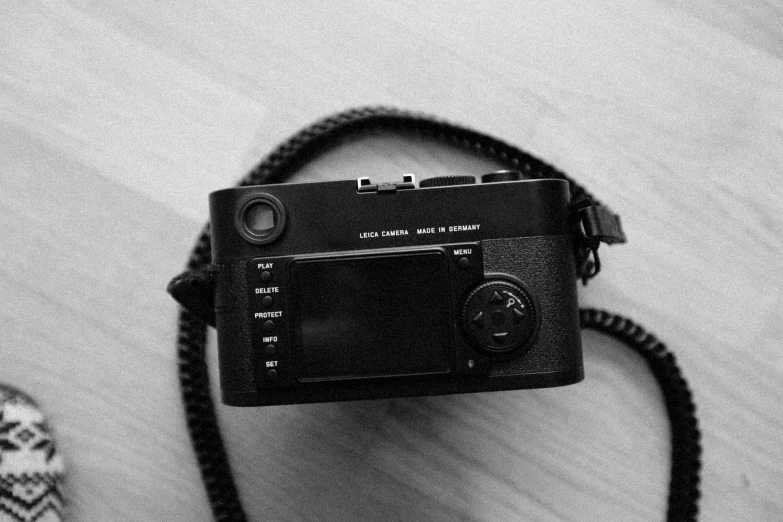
{"x": 352, "y": 290}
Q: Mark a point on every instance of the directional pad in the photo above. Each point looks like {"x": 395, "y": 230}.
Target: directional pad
{"x": 500, "y": 317}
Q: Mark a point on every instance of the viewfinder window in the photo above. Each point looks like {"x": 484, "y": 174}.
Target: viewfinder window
{"x": 260, "y": 218}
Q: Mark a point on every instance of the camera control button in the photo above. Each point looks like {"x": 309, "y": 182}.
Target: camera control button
{"x": 501, "y": 175}
{"x": 269, "y": 325}
{"x": 267, "y": 301}
{"x": 500, "y": 337}
{"x": 463, "y": 263}
{"x": 266, "y": 276}
{"x": 500, "y": 316}
{"x": 478, "y": 319}
{"x": 447, "y": 181}
{"x": 271, "y": 375}
{"x": 270, "y": 350}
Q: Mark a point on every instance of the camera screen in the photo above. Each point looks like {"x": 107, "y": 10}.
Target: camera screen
{"x": 372, "y": 316}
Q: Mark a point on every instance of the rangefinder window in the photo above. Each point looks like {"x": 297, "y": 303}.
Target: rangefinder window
{"x": 372, "y": 316}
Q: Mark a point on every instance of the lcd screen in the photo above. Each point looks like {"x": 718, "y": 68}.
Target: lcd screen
{"x": 371, "y": 316}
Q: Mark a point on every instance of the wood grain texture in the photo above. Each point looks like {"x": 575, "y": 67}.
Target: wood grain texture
{"x": 118, "y": 118}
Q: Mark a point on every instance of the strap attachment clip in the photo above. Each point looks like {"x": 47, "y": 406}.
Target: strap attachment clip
{"x": 595, "y": 224}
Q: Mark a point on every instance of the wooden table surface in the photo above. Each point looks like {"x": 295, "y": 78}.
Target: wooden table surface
{"x": 118, "y": 118}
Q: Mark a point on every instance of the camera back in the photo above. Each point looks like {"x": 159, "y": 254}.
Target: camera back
{"x": 350, "y": 289}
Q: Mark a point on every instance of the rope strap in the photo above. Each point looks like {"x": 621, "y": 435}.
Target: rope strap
{"x": 599, "y": 224}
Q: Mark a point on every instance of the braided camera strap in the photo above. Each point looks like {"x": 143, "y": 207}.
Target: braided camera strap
{"x": 330, "y": 132}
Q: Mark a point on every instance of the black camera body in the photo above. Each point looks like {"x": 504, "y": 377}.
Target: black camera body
{"x": 347, "y": 290}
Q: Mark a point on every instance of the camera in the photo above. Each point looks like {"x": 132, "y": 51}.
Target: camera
{"x": 350, "y": 289}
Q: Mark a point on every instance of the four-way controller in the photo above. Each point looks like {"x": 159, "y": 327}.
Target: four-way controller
{"x": 499, "y": 317}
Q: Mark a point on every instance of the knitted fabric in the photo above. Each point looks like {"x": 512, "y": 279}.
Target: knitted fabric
{"x": 31, "y": 469}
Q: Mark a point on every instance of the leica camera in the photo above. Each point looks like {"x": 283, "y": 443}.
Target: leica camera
{"x": 351, "y": 289}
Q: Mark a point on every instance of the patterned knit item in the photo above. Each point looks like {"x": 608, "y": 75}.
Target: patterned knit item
{"x": 31, "y": 469}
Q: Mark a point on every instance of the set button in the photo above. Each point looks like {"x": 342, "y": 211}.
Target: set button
{"x": 268, "y": 362}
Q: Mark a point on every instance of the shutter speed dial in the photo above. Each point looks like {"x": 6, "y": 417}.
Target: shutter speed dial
{"x": 446, "y": 181}
{"x": 500, "y": 317}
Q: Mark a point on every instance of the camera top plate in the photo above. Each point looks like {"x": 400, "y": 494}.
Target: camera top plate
{"x": 343, "y": 216}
